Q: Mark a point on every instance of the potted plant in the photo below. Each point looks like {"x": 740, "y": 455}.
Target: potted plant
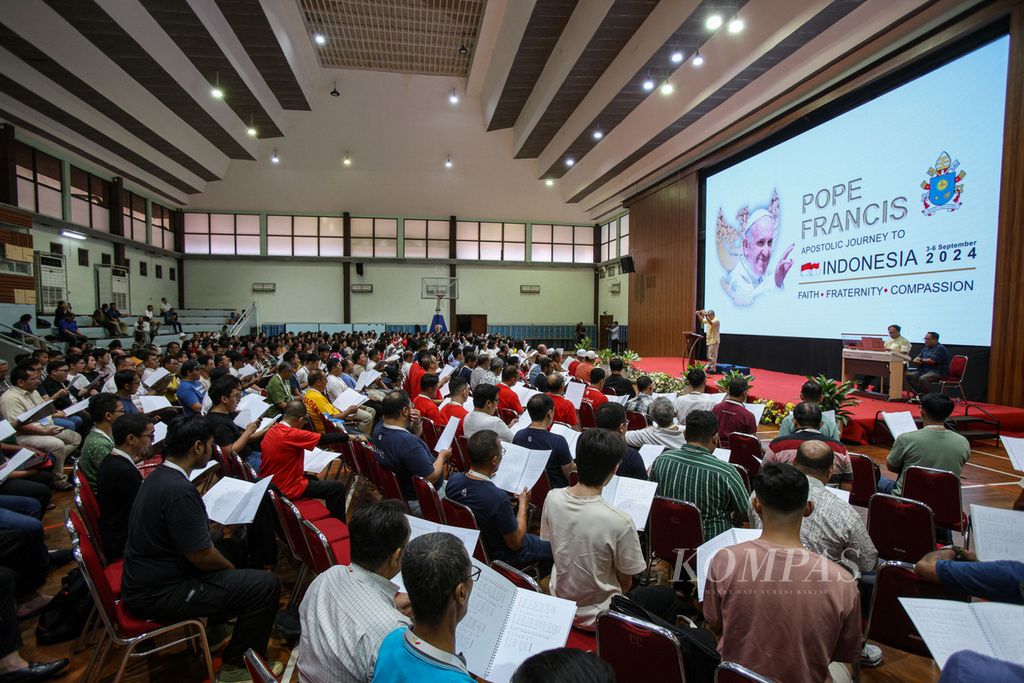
{"x": 836, "y": 396}
{"x": 666, "y": 384}
{"x": 583, "y": 344}
{"x": 723, "y": 384}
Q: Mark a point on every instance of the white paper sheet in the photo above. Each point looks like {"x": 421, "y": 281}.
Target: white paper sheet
{"x": 159, "y": 432}
{"x": 195, "y": 474}
{"x": 153, "y": 403}
{"x": 233, "y": 501}
{"x": 998, "y": 533}
{"x": 316, "y": 460}
{"x": 6, "y": 429}
{"x": 419, "y": 526}
{"x": 722, "y": 454}
{"x": 570, "y": 435}
{"x": 649, "y": 452}
{"x": 14, "y": 462}
{"x": 349, "y": 398}
{"x": 949, "y": 626}
{"x": 366, "y": 378}
{"x": 249, "y": 400}
{"x": 899, "y": 423}
{"x": 74, "y": 408}
{"x": 1015, "y": 449}
{"x": 621, "y": 400}
{"x": 841, "y": 494}
{"x": 154, "y": 377}
{"x": 756, "y": 409}
{"x": 523, "y": 422}
{"x": 446, "y": 390}
{"x": 524, "y": 393}
{"x": 42, "y": 409}
{"x": 520, "y": 468}
{"x": 246, "y": 370}
{"x": 574, "y": 393}
{"x": 448, "y": 435}
{"x": 632, "y": 496}
{"x": 445, "y": 372}
{"x": 670, "y": 395}
{"x": 707, "y": 551}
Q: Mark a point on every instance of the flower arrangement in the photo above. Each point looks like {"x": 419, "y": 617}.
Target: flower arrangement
{"x": 666, "y": 384}
{"x": 774, "y": 411}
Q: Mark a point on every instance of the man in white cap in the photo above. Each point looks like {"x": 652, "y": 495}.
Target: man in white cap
{"x": 749, "y": 278}
{"x": 581, "y": 356}
{"x": 585, "y": 367}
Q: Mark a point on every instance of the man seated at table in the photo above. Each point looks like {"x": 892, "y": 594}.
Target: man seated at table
{"x": 502, "y": 530}
{"x": 807, "y": 418}
{"x": 404, "y": 453}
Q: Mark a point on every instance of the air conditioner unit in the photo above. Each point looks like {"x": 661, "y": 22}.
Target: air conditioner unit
{"x": 265, "y": 287}
{"x": 616, "y": 288}
{"x": 529, "y": 289}
{"x": 362, "y": 289}
{"x": 52, "y": 282}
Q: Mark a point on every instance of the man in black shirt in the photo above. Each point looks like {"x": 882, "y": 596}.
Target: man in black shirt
{"x": 612, "y": 417}
{"x": 119, "y": 480}
{"x": 536, "y": 437}
{"x": 232, "y": 439}
{"x": 621, "y": 385}
{"x": 172, "y": 570}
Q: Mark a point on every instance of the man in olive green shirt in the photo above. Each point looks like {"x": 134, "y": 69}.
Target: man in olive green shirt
{"x": 279, "y": 391}
{"x": 810, "y": 392}
{"x": 933, "y": 446}
{"x": 104, "y": 409}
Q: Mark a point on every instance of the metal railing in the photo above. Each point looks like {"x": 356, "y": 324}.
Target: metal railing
{"x": 26, "y": 340}
{"x": 244, "y": 321}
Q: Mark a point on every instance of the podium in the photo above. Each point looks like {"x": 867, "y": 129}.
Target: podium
{"x": 690, "y": 340}
{"x": 884, "y": 364}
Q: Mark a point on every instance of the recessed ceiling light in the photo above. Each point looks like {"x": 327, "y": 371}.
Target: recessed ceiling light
{"x": 448, "y": 162}
{"x": 697, "y": 59}
{"x": 347, "y": 160}
{"x": 598, "y": 134}
{"x": 275, "y": 159}
{"x": 677, "y": 56}
{"x": 667, "y": 88}
{"x": 648, "y": 84}
{"x": 549, "y": 182}
{"x": 736, "y": 25}
{"x": 453, "y": 97}
{"x": 251, "y": 131}
{"x": 570, "y": 161}
{"x": 216, "y": 92}
{"x": 713, "y": 22}
{"x": 319, "y": 39}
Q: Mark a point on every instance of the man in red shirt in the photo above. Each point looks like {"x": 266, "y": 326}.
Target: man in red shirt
{"x": 565, "y": 411}
{"x": 507, "y": 399}
{"x": 593, "y": 391}
{"x": 581, "y": 355}
{"x": 732, "y": 415}
{"x": 424, "y": 401}
{"x": 584, "y": 369}
{"x": 416, "y": 372}
{"x": 456, "y": 407}
{"x": 283, "y": 455}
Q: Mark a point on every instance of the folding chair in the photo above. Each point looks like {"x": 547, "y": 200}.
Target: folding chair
{"x": 258, "y": 669}
{"x": 89, "y": 507}
{"x": 294, "y": 537}
{"x": 518, "y": 578}
{"x": 731, "y": 672}
{"x": 635, "y": 420}
{"x": 588, "y": 420}
{"x": 461, "y": 516}
{"x": 460, "y": 455}
{"x": 746, "y": 450}
{"x": 387, "y": 484}
{"x": 675, "y": 526}
{"x": 639, "y": 650}
{"x": 865, "y": 479}
{"x": 939, "y": 490}
{"x": 744, "y": 475}
{"x": 429, "y": 434}
{"x": 955, "y": 378}
{"x": 322, "y": 552}
{"x": 76, "y": 527}
{"x": 508, "y": 416}
{"x": 901, "y": 529}
{"x": 429, "y": 500}
{"x": 122, "y": 628}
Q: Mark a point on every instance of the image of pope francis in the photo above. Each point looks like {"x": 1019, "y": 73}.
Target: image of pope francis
{"x": 746, "y": 253}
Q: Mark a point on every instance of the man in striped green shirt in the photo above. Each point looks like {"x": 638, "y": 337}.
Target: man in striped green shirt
{"x": 693, "y": 474}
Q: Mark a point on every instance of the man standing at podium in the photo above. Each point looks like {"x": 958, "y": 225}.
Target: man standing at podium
{"x": 897, "y": 344}
{"x": 711, "y": 327}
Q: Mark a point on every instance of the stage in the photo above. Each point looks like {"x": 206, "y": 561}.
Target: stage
{"x": 785, "y": 388}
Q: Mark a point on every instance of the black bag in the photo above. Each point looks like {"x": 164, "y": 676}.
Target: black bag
{"x": 698, "y": 645}
{"x": 64, "y": 617}
{"x": 287, "y": 624}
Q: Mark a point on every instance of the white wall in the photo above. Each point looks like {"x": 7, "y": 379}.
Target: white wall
{"x": 396, "y": 294}
{"x": 566, "y": 295}
{"x": 81, "y": 279}
{"x": 150, "y": 289}
{"x": 615, "y": 305}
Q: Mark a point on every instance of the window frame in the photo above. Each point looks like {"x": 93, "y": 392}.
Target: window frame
{"x": 377, "y": 239}
{"x": 33, "y": 176}
{"x": 209, "y": 233}
{"x": 574, "y": 245}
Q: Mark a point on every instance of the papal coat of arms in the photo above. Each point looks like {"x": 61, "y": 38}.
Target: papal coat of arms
{"x": 943, "y": 187}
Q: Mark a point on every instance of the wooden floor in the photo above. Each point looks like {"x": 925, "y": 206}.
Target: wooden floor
{"x": 988, "y": 479}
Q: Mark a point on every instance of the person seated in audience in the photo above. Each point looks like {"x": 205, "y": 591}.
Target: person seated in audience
{"x": 439, "y": 577}
{"x": 693, "y": 474}
{"x": 67, "y": 330}
{"x": 283, "y": 454}
{"x": 279, "y": 391}
{"x": 468, "y": 365}
{"x": 121, "y": 362}
{"x": 732, "y": 414}
{"x": 595, "y": 546}
{"x": 424, "y": 401}
{"x": 508, "y": 399}
{"x": 320, "y": 409}
{"x": 502, "y": 529}
{"x": 105, "y": 409}
{"x": 581, "y": 357}
{"x": 402, "y": 451}
{"x": 616, "y": 381}
{"x": 347, "y": 611}
{"x": 485, "y": 414}
{"x": 557, "y": 359}
{"x": 456, "y": 406}
{"x": 664, "y": 431}
{"x": 536, "y": 437}
{"x": 191, "y": 390}
{"x": 34, "y": 482}
{"x": 127, "y": 387}
{"x": 564, "y": 665}
{"x": 336, "y": 382}
{"x": 810, "y": 392}
{"x": 23, "y": 550}
{"x": 13, "y": 667}
{"x": 931, "y": 446}
{"x": 967, "y": 665}
{"x": 171, "y": 381}
{"x": 416, "y": 372}
{"x": 539, "y": 372}
{"x": 482, "y": 372}
{"x": 807, "y": 417}
{"x": 116, "y": 316}
{"x": 695, "y": 398}
{"x": 641, "y": 403}
{"x": 997, "y": 580}
{"x": 172, "y": 571}
{"x": 612, "y": 417}
{"x": 565, "y": 411}
{"x": 48, "y": 438}
{"x": 232, "y": 439}
{"x": 593, "y": 393}
{"x": 58, "y": 389}
{"x": 119, "y": 479}
{"x": 584, "y": 369}
{"x": 803, "y": 634}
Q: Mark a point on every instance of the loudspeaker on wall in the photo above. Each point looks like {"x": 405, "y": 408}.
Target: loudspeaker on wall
{"x": 626, "y": 264}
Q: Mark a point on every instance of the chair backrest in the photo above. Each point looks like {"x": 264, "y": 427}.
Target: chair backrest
{"x": 258, "y": 669}
{"x": 608, "y": 391}
{"x": 746, "y": 450}
{"x": 88, "y": 558}
{"x": 90, "y": 508}
{"x": 588, "y": 420}
{"x": 957, "y": 368}
{"x": 901, "y": 529}
{"x": 865, "y": 479}
{"x": 731, "y": 672}
{"x": 635, "y": 420}
{"x": 460, "y": 454}
{"x": 888, "y": 622}
{"x": 939, "y": 490}
{"x": 429, "y": 433}
{"x": 430, "y": 502}
{"x": 675, "y": 526}
{"x": 540, "y": 490}
{"x": 363, "y": 458}
{"x": 290, "y": 519}
{"x": 508, "y": 416}
{"x": 518, "y": 578}
{"x": 320, "y": 554}
{"x": 744, "y": 475}
{"x": 639, "y": 650}
{"x": 387, "y": 484}
{"x": 461, "y": 516}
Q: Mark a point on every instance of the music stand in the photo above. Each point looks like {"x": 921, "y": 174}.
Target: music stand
{"x": 690, "y": 346}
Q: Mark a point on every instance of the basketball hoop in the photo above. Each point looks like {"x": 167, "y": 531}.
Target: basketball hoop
{"x": 439, "y": 289}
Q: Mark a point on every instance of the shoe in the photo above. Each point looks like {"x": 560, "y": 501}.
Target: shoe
{"x": 871, "y": 655}
{"x": 218, "y": 635}
{"x": 35, "y": 671}
{"x": 240, "y": 674}
{"x": 63, "y": 485}
{"x": 59, "y": 558}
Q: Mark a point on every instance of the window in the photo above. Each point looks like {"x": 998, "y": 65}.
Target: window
{"x": 609, "y": 240}
{"x": 105, "y": 259}
{"x": 39, "y": 181}
{"x": 624, "y": 235}
{"x": 375, "y": 237}
{"x": 163, "y": 235}
{"x": 56, "y": 248}
{"x": 305, "y": 236}
{"x": 562, "y": 243}
{"x": 133, "y": 209}
{"x": 222, "y": 233}
{"x": 143, "y": 268}
{"x": 89, "y": 200}
{"x": 159, "y": 272}
{"x": 171, "y": 274}
{"x": 490, "y": 241}
{"x": 83, "y": 257}
{"x": 426, "y": 239}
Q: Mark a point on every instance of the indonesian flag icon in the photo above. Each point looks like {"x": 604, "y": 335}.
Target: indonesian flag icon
{"x": 810, "y": 269}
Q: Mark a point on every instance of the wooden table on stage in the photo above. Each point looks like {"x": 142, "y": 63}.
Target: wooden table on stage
{"x": 882, "y": 364}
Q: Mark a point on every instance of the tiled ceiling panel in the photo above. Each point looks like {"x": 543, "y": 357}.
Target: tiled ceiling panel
{"x": 407, "y": 36}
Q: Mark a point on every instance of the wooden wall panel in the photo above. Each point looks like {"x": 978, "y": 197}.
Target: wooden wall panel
{"x": 663, "y": 290}
{"x": 1006, "y": 367}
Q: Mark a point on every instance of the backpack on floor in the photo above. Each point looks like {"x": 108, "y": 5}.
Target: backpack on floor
{"x": 64, "y": 617}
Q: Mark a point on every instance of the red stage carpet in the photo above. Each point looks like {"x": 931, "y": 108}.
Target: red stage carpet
{"x": 785, "y": 388}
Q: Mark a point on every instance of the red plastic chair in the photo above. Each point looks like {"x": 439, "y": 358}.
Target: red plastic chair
{"x": 731, "y": 672}
{"x": 957, "y": 369}
{"x": 89, "y": 507}
{"x": 429, "y": 433}
{"x": 744, "y": 475}
{"x": 258, "y": 669}
{"x": 430, "y": 502}
{"x": 746, "y": 450}
{"x": 324, "y": 553}
{"x": 294, "y": 537}
{"x": 588, "y": 420}
{"x": 508, "y": 416}
{"x": 460, "y": 454}
{"x": 636, "y": 421}
{"x": 888, "y": 623}
{"x": 608, "y": 391}
{"x": 121, "y": 628}
{"x": 387, "y": 484}
{"x": 939, "y": 490}
{"x": 581, "y": 640}
{"x": 901, "y": 529}
{"x": 540, "y": 491}
{"x": 865, "y": 479}
{"x": 518, "y": 578}
{"x": 675, "y": 526}
{"x": 461, "y": 516}
{"x": 639, "y": 650}
{"x": 363, "y": 457}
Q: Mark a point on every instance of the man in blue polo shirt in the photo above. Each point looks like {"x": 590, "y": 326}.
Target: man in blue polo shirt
{"x": 502, "y": 531}
{"x": 404, "y": 453}
{"x": 536, "y": 437}
{"x": 190, "y": 390}
{"x": 930, "y": 365}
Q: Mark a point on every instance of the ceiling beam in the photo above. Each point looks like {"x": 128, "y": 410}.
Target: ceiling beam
{"x": 501, "y": 32}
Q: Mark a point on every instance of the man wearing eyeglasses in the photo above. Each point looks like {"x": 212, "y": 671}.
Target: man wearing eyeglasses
{"x": 119, "y": 480}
